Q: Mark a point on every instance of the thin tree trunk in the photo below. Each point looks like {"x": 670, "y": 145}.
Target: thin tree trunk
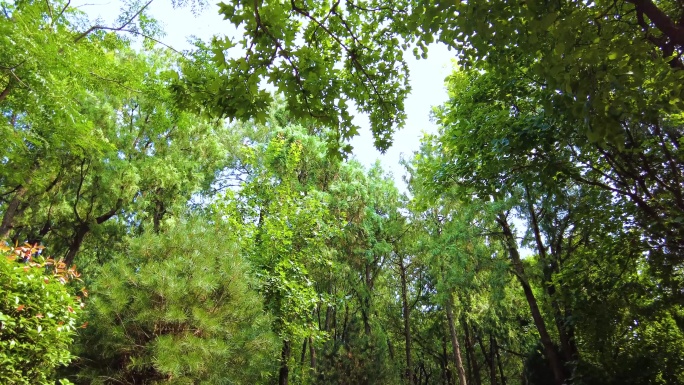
{"x": 263, "y": 212}
{"x": 157, "y": 216}
{"x": 84, "y": 228}
{"x": 345, "y": 324}
{"x": 492, "y": 361}
{"x": 284, "y": 369}
{"x": 303, "y": 357}
{"x": 312, "y": 354}
{"x": 407, "y": 327}
{"x": 550, "y": 351}
{"x": 366, "y": 301}
{"x": 328, "y": 316}
{"x": 454, "y": 341}
{"x": 424, "y": 376}
{"x": 486, "y": 356}
{"x": 470, "y": 355}
{"x": 390, "y": 348}
{"x": 498, "y": 359}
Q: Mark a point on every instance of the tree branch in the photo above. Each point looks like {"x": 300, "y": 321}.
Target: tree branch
{"x": 115, "y": 82}
{"x": 61, "y": 11}
{"x": 661, "y": 20}
{"x": 49, "y": 8}
{"x": 120, "y": 28}
{"x": 102, "y": 218}
{"x": 78, "y": 192}
{"x": 285, "y": 55}
{"x": 6, "y": 90}
{"x": 349, "y": 51}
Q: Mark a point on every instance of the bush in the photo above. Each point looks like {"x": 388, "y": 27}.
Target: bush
{"x": 38, "y": 315}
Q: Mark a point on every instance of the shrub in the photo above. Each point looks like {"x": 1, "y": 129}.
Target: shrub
{"x": 38, "y": 315}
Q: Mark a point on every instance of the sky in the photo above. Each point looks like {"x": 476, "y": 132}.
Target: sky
{"x": 426, "y": 76}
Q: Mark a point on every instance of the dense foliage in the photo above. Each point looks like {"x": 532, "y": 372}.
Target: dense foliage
{"x": 225, "y": 241}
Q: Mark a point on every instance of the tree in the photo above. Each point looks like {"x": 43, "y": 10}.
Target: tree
{"x": 179, "y": 308}
{"x": 92, "y": 126}
{"x": 324, "y": 56}
{"x": 499, "y": 144}
{"x": 460, "y": 242}
{"x": 289, "y": 240}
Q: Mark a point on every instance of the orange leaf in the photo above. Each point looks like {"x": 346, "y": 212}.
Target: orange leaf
{"x": 20, "y": 307}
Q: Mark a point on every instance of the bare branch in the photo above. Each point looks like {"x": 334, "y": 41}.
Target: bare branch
{"x": 49, "y": 8}
{"x": 61, "y": 12}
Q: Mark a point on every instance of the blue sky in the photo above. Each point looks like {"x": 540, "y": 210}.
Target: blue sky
{"x": 427, "y": 76}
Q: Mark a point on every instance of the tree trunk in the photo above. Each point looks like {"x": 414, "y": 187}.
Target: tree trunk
{"x": 473, "y": 367}
{"x": 345, "y": 324}
{"x": 81, "y": 231}
{"x": 444, "y": 361}
{"x": 366, "y": 300}
{"x": 488, "y": 358}
{"x": 5, "y": 91}
{"x": 407, "y": 327}
{"x": 568, "y": 347}
{"x": 549, "y": 350}
{"x": 454, "y": 341}
{"x": 498, "y": 359}
{"x": 312, "y": 354}
{"x": 11, "y": 211}
{"x": 284, "y": 369}
{"x": 390, "y": 348}
{"x": 158, "y": 215}
{"x": 301, "y": 360}
{"x": 492, "y": 361}
{"x": 263, "y": 212}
